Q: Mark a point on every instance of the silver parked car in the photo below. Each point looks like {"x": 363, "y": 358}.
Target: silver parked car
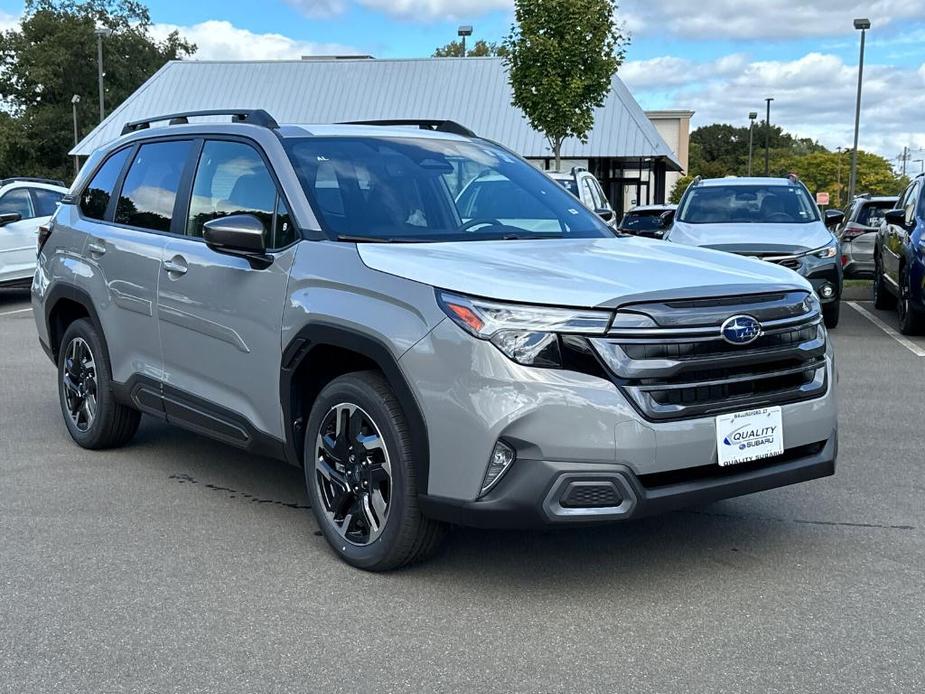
{"x": 858, "y": 234}
{"x": 319, "y": 294}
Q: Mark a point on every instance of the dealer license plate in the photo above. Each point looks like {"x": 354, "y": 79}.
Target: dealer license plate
{"x": 742, "y": 437}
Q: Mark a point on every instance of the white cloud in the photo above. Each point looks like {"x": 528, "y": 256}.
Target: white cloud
{"x": 814, "y": 96}
{"x": 8, "y": 21}
{"x": 221, "y": 40}
{"x": 425, "y": 10}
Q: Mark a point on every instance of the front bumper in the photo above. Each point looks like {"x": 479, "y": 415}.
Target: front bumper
{"x": 572, "y": 427}
{"x": 824, "y": 272}
{"x": 531, "y": 495}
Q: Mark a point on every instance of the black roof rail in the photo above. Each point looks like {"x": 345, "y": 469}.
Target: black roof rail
{"x": 33, "y": 179}
{"x": 241, "y": 115}
{"x": 577, "y": 169}
{"x": 440, "y": 126}
{"x": 696, "y": 181}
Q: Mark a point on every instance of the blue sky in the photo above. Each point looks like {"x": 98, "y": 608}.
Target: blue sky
{"x": 719, "y": 58}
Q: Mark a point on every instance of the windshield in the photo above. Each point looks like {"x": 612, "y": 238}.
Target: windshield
{"x": 417, "y": 189}
{"x": 752, "y": 204}
{"x": 569, "y": 184}
{"x": 642, "y": 221}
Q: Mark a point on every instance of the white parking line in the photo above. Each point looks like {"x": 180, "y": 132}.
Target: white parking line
{"x": 10, "y": 313}
{"x": 908, "y": 344}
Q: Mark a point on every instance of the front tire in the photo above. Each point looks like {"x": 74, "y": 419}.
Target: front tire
{"x": 359, "y": 470}
{"x": 93, "y": 417}
{"x": 831, "y": 313}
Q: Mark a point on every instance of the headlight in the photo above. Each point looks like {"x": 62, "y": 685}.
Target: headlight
{"x": 829, "y": 251}
{"x": 811, "y": 303}
{"x": 529, "y": 335}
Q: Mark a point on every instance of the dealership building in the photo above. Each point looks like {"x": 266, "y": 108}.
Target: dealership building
{"x": 626, "y": 150}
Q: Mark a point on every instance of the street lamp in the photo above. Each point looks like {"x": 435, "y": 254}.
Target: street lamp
{"x": 74, "y": 101}
{"x": 767, "y": 139}
{"x": 463, "y": 32}
{"x": 920, "y": 161}
{"x": 861, "y": 25}
{"x": 100, "y": 33}
{"x": 751, "y": 135}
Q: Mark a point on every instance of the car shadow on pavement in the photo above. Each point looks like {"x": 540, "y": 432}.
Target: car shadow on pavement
{"x": 718, "y": 535}
{"x": 14, "y": 298}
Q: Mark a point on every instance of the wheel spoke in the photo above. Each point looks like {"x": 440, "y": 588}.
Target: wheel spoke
{"x": 331, "y": 449}
{"x": 378, "y": 501}
{"x": 356, "y": 425}
{"x": 70, "y": 385}
{"x": 331, "y": 474}
{"x": 368, "y": 514}
{"x": 344, "y": 527}
{"x": 370, "y": 442}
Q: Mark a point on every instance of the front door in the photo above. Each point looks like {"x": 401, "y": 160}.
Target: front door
{"x": 221, "y": 319}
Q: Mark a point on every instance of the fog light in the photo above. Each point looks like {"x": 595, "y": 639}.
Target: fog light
{"x": 501, "y": 458}
{"x": 827, "y": 291}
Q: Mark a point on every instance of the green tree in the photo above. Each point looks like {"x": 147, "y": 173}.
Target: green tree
{"x": 52, "y": 56}
{"x": 824, "y": 171}
{"x": 481, "y": 49}
{"x": 678, "y": 189}
{"x": 562, "y": 55}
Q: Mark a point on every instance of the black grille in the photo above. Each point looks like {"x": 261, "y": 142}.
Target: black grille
{"x": 590, "y": 495}
{"x": 686, "y": 369}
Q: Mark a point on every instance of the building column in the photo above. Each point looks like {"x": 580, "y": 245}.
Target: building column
{"x": 660, "y": 170}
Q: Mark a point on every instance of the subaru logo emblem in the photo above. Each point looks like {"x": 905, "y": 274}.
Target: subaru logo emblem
{"x": 740, "y": 330}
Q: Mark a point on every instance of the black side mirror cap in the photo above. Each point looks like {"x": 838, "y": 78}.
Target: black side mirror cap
{"x": 606, "y": 214}
{"x": 239, "y": 234}
{"x": 9, "y": 218}
{"x": 834, "y": 217}
{"x": 666, "y": 218}
{"x": 897, "y": 217}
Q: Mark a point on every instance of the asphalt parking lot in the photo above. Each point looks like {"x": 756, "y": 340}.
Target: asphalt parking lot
{"x": 178, "y": 564}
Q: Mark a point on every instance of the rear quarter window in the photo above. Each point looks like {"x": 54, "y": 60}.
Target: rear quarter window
{"x": 96, "y": 196}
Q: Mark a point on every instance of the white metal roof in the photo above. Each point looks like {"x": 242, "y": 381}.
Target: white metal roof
{"x": 471, "y": 91}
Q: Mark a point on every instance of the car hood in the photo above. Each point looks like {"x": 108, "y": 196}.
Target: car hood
{"x": 752, "y": 238}
{"x": 578, "y": 272}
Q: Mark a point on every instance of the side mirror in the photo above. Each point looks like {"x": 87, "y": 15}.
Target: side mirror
{"x": 897, "y": 217}
{"x": 9, "y": 218}
{"x": 239, "y": 234}
{"x": 666, "y": 218}
{"x": 606, "y": 214}
{"x": 833, "y": 218}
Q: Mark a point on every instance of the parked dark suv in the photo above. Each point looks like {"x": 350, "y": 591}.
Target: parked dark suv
{"x": 899, "y": 259}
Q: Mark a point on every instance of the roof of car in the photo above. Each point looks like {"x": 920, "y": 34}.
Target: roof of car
{"x": 747, "y": 181}
{"x": 652, "y": 208}
{"x": 360, "y": 130}
{"x": 879, "y": 198}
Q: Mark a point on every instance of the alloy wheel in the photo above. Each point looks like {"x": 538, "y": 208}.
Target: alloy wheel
{"x": 353, "y": 474}
{"x": 79, "y": 379}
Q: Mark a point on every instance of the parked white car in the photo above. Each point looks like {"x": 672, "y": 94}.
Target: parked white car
{"x": 584, "y": 186}
{"x": 25, "y": 205}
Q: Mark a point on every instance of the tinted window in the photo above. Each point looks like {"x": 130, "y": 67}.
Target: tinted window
{"x": 911, "y": 201}
{"x": 748, "y": 204}
{"x": 872, "y": 213}
{"x": 283, "y": 229}
{"x": 642, "y": 221}
{"x": 46, "y": 201}
{"x": 150, "y": 187}
{"x": 403, "y": 188}
{"x": 95, "y": 198}
{"x": 17, "y": 200}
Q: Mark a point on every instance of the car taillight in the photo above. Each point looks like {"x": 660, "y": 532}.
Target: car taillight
{"x": 844, "y": 260}
{"x": 853, "y": 230}
{"x": 44, "y": 233}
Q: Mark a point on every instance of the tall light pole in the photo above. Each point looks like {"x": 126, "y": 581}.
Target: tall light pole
{"x": 101, "y": 32}
{"x": 74, "y": 101}
{"x": 920, "y": 161}
{"x": 463, "y": 32}
{"x": 861, "y": 25}
{"x": 767, "y": 139}
{"x": 751, "y": 137}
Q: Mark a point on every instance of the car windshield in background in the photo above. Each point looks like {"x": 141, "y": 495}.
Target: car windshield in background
{"x": 569, "y": 184}
{"x": 748, "y": 204}
{"x": 642, "y": 221}
{"x": 873, "y": 212}
{"x": 421, "y": 189}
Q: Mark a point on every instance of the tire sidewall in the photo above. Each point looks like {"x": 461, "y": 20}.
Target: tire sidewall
{"x": 104, "y": 399}
{"x": 353, "y": 390}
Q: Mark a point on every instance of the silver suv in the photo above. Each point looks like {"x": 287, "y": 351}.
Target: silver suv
{"x": 320, "y": 294}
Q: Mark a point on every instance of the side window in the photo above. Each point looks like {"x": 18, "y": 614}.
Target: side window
{"x": 96, "y": 195}
{"x": 17, "y": 200}
{"x": 232, "y": 179}
{"x": 46, "y": 201}
{"x": 600, "y": 193}
{"x": 911, "y": 200}
{"x": 283, "y": 230}
{"x": 590, "y": 194}
{"x": 150, "y": 187}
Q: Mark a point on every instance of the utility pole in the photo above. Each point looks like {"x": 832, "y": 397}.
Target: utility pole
{"x": 751, "y": 136}
{"x": 100, "y": 32}
{"x": 905, "y": 158}
{"x": 767, "y": 139}
{"x": 74, "y": 101}
{"x": 861, "y": 25}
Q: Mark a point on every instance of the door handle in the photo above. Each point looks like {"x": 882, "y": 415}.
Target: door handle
{"x": 175, "y": 266}
{"x": 96, "y": 248}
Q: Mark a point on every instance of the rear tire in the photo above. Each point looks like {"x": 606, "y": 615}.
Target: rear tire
{"x": 360, "y": 475}
{"x": 910, "y": 319}
{"x": 882, "y": 297}
{"x": 91, "y": 414}
{"x": 831, "y": 313}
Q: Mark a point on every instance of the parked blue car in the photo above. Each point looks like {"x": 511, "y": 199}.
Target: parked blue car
{"x": 899, "y": 259}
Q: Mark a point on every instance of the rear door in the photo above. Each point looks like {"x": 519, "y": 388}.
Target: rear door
{"x": 127, "y": 233}
{"x": 17, "y": 239}
{"x": 221, "y": 319}
{"x": 897, "y": 237}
